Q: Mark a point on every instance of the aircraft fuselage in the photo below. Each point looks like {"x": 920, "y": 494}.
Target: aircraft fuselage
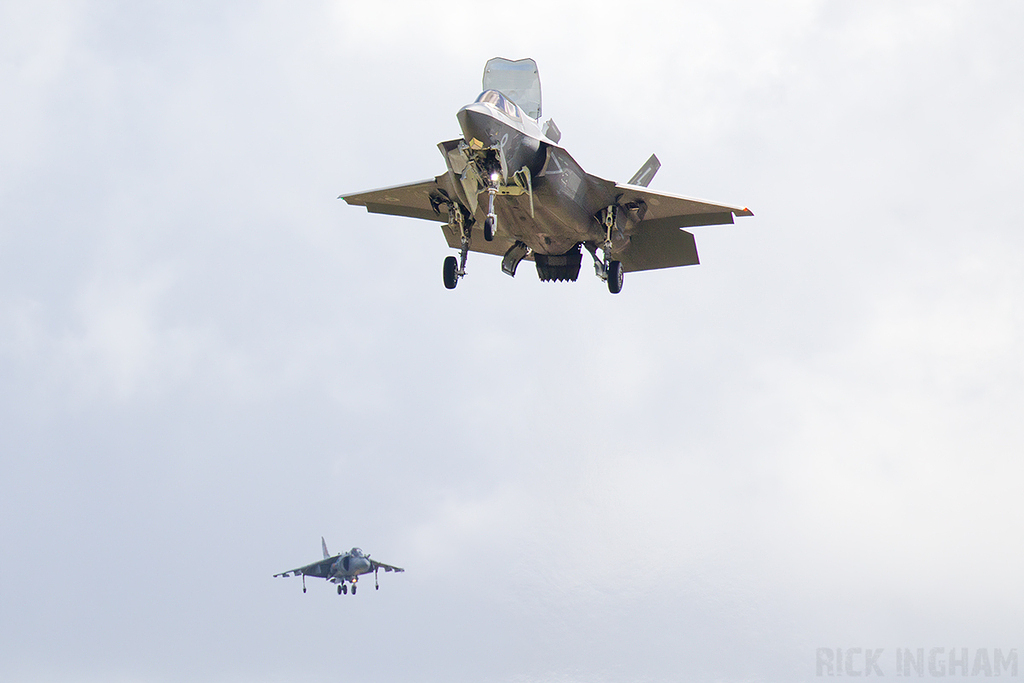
{"x": 511, "y": 190}
{"x": 504, "y": 140}
{"x": 348, "y": 566}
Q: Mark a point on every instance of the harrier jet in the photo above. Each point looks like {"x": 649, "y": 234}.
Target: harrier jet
{"x": 342, "y": 569}
{"x": 512, "y": 190}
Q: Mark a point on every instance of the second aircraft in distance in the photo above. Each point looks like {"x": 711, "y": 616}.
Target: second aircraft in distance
{"x": 343, "y": 569}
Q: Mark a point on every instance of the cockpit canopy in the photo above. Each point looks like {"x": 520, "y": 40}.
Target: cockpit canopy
{"x": 355, "y": 552}
{"x": 518, "y": 80}
{"x": 502, "y": 103}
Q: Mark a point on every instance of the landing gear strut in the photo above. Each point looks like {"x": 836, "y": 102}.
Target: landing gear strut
{"x": 453, "y": 270}
{"x": 608, "y": 270}
{"x": 491, "y": 222}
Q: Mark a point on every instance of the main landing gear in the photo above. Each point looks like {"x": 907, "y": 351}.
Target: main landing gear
{"x": 455, "y": 269}
{"x": 615, "y": 277}
{"x": 608, "y": 270}
{"x": 451, "y": 272}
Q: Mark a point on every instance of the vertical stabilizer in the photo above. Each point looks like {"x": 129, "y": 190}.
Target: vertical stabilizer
{"x": 645, "y": 175}
{"x": 324, "y": 544}
{"x": 517, "y": 80}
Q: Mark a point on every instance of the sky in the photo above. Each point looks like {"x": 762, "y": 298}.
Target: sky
{"x": 809, "y": 442}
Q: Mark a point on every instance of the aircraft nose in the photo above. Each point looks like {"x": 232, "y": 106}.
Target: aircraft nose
{"x": 477, "y": 123}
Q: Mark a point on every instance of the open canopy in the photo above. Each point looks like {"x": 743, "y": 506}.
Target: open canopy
{"x": 518, "y": 80}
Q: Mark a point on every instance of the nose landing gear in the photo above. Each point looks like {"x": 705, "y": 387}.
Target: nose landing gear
{"x": 491, "y": 222}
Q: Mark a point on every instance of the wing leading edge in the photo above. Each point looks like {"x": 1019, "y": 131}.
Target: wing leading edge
{"x": 321, "y": 569}
{"x": 412, "y": 200}
{"x": 420, "y": 200}
{"x": 386, "y": 567}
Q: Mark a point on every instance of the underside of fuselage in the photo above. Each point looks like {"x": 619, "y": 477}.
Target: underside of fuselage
{"x": 552, "y": 220}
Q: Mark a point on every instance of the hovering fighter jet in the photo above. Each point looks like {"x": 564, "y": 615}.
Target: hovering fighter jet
{"x": 538, "y": 204}
{"x": 342, "y": 569}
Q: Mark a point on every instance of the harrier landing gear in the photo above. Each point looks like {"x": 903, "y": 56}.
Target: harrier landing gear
{"x": 342, "y": 589}
{"x": 455, "y": 269}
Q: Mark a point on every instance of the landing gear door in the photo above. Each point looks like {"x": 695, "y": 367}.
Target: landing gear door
{"x": 518, "y": 80}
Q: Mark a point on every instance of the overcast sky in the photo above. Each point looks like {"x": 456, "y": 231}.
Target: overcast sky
{"x": 207, "y": 361}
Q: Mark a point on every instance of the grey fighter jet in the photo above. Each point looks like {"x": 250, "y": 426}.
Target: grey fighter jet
{"x": 344, "y": 569}
{"x": 512, "y": 190}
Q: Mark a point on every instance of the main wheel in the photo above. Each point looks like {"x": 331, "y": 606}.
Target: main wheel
{"x": 353, "y": 589}
{"x": 489, "y": 229}
{"x": 451, "y": 278}
{"x": 614, "y": 277}
{"x": 339, "y": 588}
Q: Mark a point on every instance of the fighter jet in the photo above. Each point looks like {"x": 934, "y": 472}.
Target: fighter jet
{"x": 343, "y": 569}
{"x": 511, "y": 190}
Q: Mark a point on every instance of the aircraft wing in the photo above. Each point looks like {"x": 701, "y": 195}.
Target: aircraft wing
{"x": 321, "y": 569}
{"x": 413, "y": 200}
{"x": 676, "y": 210}
{"x": 417, "y": 200}
{"x": 657, "y": 240}
{"x": 386, "y": 567}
